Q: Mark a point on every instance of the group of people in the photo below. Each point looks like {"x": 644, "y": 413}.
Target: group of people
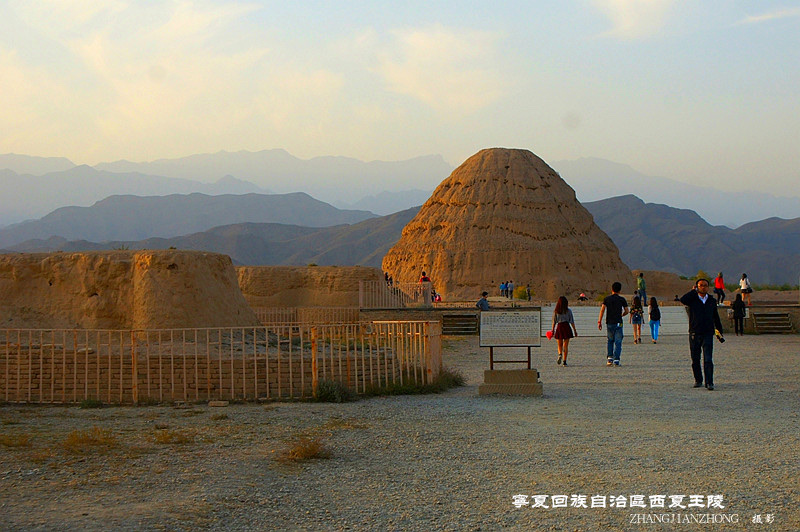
{"x": 507, "y": 290}
{"x": 744, "y": 291}
{"x": 704, "y": 325}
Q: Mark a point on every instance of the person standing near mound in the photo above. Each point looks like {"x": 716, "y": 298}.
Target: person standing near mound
{"x": 483, "y": 303}
{"x": 617, "y": 308}
{"x": 562, "y": 320}
{"x": 703, "y": 324}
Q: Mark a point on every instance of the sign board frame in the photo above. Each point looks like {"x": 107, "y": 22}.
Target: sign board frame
{"x": 515, "y": 328}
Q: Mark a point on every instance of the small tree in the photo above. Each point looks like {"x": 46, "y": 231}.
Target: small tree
{"x": 701, "y": 275}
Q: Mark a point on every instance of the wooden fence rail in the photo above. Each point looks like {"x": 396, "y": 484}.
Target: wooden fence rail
{"x": 266, "y": 363}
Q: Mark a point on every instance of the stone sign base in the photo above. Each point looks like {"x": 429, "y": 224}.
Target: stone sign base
{"x": 510, "y": 382}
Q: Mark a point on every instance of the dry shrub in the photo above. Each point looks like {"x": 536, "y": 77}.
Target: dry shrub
{"x": 173, "y": 437}
{"x": 15, "y": 440}
{"x": 306, "y": 448}
{"x": 219, "y": 417}
{"x": 92, "y": 440}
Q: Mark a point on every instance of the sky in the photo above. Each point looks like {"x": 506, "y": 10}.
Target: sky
{"x": 704, "y": 92}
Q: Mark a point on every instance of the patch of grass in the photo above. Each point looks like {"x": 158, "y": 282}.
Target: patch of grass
{"x": 448, "y": 378}
{"x": 329, "y": 391}
{"x": 91, "y": 403}
{"x": 192, "y": 413}
{"x": 92, "y": 440}
{"x": 173, "y": 437}
{"x": 219, "y": 417}
{"x": 15, "y": 440}
{"x": 306, "y": 448}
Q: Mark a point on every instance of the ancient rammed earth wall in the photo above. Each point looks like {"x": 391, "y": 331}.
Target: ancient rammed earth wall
{"x": 121, "y": 290}
{"x": 302, "y": 286}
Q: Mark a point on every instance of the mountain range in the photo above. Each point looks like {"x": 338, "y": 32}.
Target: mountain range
{"x": 653, "y": 236}
{"x": 35, "y": 186}
{"x": 133, "y": 217}
{"x": 649, "y": 236}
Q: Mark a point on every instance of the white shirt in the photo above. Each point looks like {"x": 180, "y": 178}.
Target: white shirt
{"x": 702, "y": 298}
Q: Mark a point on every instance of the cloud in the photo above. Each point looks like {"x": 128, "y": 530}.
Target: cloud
{"x": 771, "y": 15}
{"x": 452, "y": 71}
{"x": 635, "y": 19}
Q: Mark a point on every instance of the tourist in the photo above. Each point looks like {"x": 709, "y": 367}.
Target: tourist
{"x": 617, "y": 308}
{"x": 703, "y": 325}
{"x": 641, "y": 286}
{"x": 510, "y": 289}
{"x": 528, "y": 291}
{"x": 636, "y": 319}
{"x": 745, "y": 288}
{"x": 483, "y": 303}
{"x": 503, "y": 289}
{"x": 425, "y": 281}
{"x": 739, "y": 312}
{"x": 655, "y": 319}
{"x": 583, "y": 297}
{"x": 562, "y": 320}
{"x": 719, "y": 288}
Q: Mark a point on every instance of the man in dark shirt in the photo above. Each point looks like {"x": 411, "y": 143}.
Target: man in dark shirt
{"x": 617, "y": 307}
{"x": 703, "y": 322}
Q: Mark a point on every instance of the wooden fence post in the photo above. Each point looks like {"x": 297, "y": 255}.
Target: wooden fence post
{"x": 314, "y": 376}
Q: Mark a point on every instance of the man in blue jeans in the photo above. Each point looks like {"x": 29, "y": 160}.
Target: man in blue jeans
{"x": 616, "y": 308}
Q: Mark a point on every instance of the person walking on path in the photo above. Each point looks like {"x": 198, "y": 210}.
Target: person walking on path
{"x": 636, "y": 319}
{"x": 655, "y": 319}
{"x": 503, "y": 289}
{"x": 510, "y": 289}
{"x": 617, "y": 308}
{"x": 745, "y": 288}
{"x": 562, "y": 320}
{"x": 528, "y": 291}
{"x": 739, "y": 311}
{"x": 483, "y": 303}
{"x": 719, "y": 288}
{"x": 704, "y": 323}
{"x": 641, "y": 286}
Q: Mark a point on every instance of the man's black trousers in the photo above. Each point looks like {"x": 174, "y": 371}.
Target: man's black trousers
{"x": 702, "y": 343}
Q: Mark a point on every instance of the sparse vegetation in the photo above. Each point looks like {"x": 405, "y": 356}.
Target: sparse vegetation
{"x": 448, "y": 378}
{"x": 15, "y": 440}
{"x": 329, "y": 391}
{"x": 173, "y": 437}
{"x": 219, "y": 417}
{"x": 94, "y": 440}
{"x": 306, "y": 448}
{"x": 91, "y": 403}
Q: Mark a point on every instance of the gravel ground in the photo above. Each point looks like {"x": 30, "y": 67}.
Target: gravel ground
{"x": 438, "y": 462}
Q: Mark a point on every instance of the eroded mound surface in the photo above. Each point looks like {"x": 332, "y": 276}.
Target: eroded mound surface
{"x": 506, "y": 215}
{"x": 121, "y": 290}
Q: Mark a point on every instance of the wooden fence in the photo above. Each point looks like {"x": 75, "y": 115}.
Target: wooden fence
{"x": 306, "y": 315}
{"x": 177, "y": 365}
{"x": 380, "y": 295}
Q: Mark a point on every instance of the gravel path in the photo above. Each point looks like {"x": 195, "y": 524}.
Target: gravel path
{"x": 438, "y": 462}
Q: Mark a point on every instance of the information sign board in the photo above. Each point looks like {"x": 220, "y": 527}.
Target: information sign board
{"x": 522, "y": 328}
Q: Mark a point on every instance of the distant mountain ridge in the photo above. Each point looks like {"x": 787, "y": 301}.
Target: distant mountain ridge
{"x": 330, "y": 178}
{"x": 30, "y": 196}
{"x": 653, "y": 236}
{"x": 595, "y": 179}
{"x": 364, "y": 243}
{"x": 135, "y": 218}
{"x": 649, "y": 236}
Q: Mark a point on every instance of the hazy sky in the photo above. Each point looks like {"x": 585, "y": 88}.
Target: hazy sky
{"x": 700, "y": 91}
